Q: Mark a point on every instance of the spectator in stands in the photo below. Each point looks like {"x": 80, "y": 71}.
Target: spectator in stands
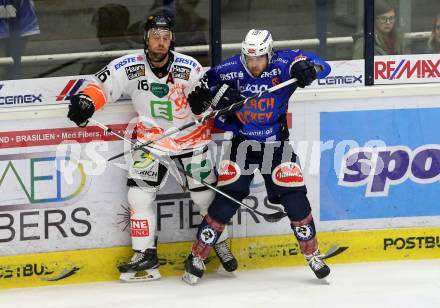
{"x": 18, "y": 21}
{"x": 387, "y": 41}
{"x": 434, "y": 38}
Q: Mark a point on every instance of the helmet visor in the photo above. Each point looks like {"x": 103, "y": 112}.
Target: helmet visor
{"x": 160, "y": 34}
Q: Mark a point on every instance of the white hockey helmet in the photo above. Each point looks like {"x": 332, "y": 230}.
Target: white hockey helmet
{"x": 257, "y": 43}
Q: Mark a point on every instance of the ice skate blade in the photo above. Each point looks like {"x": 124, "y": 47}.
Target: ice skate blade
{"x": 146, "y": 275}
{"x": 190, "y": 278}
{"x": 221, "y": 271}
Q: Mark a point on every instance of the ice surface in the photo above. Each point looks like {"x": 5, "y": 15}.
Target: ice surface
{"x": 402, "y": 284}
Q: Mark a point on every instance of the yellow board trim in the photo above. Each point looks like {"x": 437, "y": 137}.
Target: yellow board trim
{"x": 91, "y": 265}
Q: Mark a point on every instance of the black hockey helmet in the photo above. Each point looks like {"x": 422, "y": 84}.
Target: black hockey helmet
{"x": 159, "y": 22}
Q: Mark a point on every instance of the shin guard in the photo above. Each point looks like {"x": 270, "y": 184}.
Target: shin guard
{"x": 207, "y": 235}
{"x": 305, "y": 233}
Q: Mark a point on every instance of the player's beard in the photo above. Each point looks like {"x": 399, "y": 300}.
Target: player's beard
{"x": 157, "y": 57}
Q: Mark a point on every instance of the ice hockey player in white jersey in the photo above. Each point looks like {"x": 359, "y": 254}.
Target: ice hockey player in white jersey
{"x": 158, "y": 81}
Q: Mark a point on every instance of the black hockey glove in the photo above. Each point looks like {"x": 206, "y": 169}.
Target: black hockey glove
{"x": 304, "y": 71}
{"x": 81, "y": 108}
{"x": 225, "y": 96}
{"x": 199, "y": 99}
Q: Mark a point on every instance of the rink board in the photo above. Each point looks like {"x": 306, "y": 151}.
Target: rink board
{"x": 90, "y": 265}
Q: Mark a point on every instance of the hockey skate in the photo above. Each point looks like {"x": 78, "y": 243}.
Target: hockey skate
{"x": 194, "y": 269}
{"x": 144, "y": 266}
{"x": 318, "y": 265}
{"x": 226, "y": 257}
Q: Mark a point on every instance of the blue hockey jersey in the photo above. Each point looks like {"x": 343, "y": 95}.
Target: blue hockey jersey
{"x": 264, "y": 118}
{"x": 25, "y": 11}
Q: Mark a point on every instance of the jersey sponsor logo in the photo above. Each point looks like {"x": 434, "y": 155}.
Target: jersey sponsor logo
{"x": 208, "y": 235}
{"x": 382, "y": 167}
{"x": 254, "y": 88}
{"x": 282, "y": 60}
{"x": 161, "y": 109}
{"x": 304, "y": 233}
{"x": 159, "y": 89}
{"x": 232, "y": 75}
{"x": 200, "y": 170}
{"x": 406, "y": 69}
{"x": 125, "y": 62}
{"x": 258, "y": 133}
{"x": 139, "y": 228}
{"x": 229, "y": 172}
{"x": 72, "y": 87}
{"x": 103, "y": 74}
{"x": 147, "y": 168}
{"x": 272, "y": 73}
{"x": 135, "y": 71}
{"x": 227, "y": 64}
{"x": 186, "y": 61}
{"x": 333, "y": 80}
{"x": 181, "y": 72}
{"x": 288, "y": 174}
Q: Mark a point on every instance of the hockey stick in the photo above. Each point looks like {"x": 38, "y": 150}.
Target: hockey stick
{"x": 274, "y": 217}
{"x": 212, "y": 114}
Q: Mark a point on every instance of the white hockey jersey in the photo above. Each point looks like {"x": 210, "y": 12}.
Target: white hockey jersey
{"x": 161, "y": 102}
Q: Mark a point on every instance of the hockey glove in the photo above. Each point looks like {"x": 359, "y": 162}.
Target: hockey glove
{"x": 304, "y": 71}
{"x": 199, "y": 99}
{"x": 81, "y": 108}
{"x": 225, "y": 96}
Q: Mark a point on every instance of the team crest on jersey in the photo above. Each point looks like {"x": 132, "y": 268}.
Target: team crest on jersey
{"x": 229, "y": 172}
{"x": 181, "y": 72}
{"x": 288, "y": 174}
{"x": 135, "y": 71}
{"x": 177, "y": 95}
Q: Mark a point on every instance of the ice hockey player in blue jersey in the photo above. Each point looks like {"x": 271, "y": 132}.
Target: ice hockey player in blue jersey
{"x": 260, "y": 141}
